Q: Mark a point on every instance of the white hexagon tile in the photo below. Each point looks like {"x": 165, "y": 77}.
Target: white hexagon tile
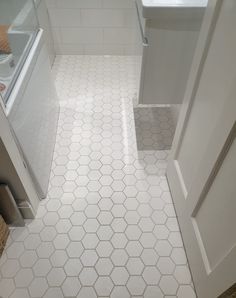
{"x": 107, "y": 227}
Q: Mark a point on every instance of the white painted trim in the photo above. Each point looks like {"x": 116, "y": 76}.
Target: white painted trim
{"x": 210, "y": 279}
{"x": 205, "y": 37}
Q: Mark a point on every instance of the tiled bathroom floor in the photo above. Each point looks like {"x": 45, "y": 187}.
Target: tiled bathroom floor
{"x": 108, "y": 227}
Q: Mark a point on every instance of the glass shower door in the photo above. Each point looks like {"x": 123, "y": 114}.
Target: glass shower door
{"x": 18, "y": 29}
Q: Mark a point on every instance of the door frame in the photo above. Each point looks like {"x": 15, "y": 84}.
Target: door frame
{"x": 208, "y": 26}
{"x": 203, "y": 183}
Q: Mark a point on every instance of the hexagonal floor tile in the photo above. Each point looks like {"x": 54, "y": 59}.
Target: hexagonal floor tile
{"x": 136, "y": 285}
{"x": 87, "y": 292}
{"x": 148, "y": 240}
{"x": 75, "y": 249}
{"x": 163, "y": 248}
{"x": 186, "y": 291}
{"x": 104, "y": 266}
{"x": 73, "y": 267}
{"x": 71, "y": 286}
{"x": 45, "y": 250}
{"x": 61, "y": 241}
{"x": 153, "y": 292}
{"x": 119, "y": 240}
{"x": 38, "y": 287}
{"x": 24, "y": 277}
{"x": 134, "y": 248}
{"x": 89, "y": 258}
{"x": 133, "y": 232}
{"x": 42, "y": 267}
{"x": 149, "y": 257}
{"x": 151, "y": 275}
{"x": 168, "y": 285}
{"x": 178, "y": 256}
{"x": 103, "y": 286}
{"x": 76, "y": 233}
{"x": 118, "y": 225}
{"x": 182, "y": 274}
{"x": 104, "y": 233}
{"x": 119, "y": 257}
{"x": 88, "y": 276}
{"x": 135, "y": 266}
{"x": 59, "y": 258}
{"x": 119, "y": 276}
{"x": 105, "y": 217}
{"x": 56, "y": 277}
{"x": 104, "y": 249}
{"x": 120, "y": 291}
{"x": 20, "y": 293}
{"x": 10, "y": 268}
{"x": 54, "y": 293}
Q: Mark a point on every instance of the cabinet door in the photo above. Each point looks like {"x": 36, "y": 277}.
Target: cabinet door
{"x": 202, "y": 168}
{"x": 167, "y": 59}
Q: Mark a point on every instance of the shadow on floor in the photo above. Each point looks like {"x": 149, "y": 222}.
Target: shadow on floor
{"x": 155, "y": 127}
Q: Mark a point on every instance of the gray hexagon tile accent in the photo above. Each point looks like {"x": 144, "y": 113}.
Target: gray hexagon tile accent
{"x": 108, "y": 227}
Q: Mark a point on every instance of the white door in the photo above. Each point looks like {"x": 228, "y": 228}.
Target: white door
{"x": 202, "y": 169}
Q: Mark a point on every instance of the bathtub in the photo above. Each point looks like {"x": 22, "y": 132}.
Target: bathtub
{"x": 21, "y": 35}
{"x": 32, "y": 110}
{"x": 19, "y": 42}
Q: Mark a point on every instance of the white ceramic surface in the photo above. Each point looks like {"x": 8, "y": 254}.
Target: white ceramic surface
{"x": 33, "y": 111}
{"x": 173, "y": 8}
{"x": 44, "y": 23}
{"x": 94, "y": 27}
{"x": 174, "y": 3}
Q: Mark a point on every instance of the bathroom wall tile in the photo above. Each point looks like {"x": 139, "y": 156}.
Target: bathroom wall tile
{"x": 133, "y": 49}
{"x": 104, "y": 49}
{"x": 81, "y": 35}
{"x": 130, "y": 19}
{"x": 119, "y": 35}
{"x": 102, "y": 18}
{"x": 69, "y": 49}
{"x": 117, "y": 4}
{"x": 45, "y": 24}
{"x": 93, "y": 49}
{"x": 65, "y": 17}
{"x": 72, "y": 19}
{"x": 56, "y": 35}
{"x": 79, "y": 3}
{"x": 50, "y": 3}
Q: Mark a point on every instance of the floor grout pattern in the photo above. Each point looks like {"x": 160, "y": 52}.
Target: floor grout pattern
{"x": 108, "y": 226}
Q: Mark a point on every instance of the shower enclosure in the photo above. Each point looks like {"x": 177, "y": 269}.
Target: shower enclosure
{"x": 18, "y": 29}
{"x": 27, "y": 88}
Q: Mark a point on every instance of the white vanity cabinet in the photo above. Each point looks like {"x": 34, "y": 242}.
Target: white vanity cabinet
{"x": 169, "y": 31}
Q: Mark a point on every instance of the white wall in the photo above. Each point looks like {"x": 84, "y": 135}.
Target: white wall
{"x": 94, "y": 27}
{"x": 9, "y": 10}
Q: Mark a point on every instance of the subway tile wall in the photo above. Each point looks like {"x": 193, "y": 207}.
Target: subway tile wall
{"x": 94, "y": 27}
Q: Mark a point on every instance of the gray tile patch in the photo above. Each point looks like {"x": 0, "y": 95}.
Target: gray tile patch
{"x": 155, "y": 128}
